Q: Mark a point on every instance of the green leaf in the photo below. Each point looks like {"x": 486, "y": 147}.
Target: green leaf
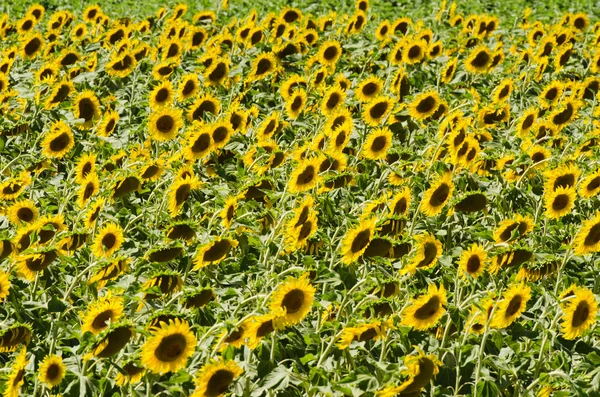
{"x": 308, "y": 358}
{"x": 55, "y": 305}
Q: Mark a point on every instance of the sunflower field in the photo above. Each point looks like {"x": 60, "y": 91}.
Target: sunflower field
{"x": 303, "y": 200}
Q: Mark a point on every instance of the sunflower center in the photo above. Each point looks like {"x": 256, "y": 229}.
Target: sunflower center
{"x": 150, "y": 171}
{"x": 473, "y": 264}
{"x": 218, "y": 72}
{"x": 593, "y": 236}
{"x": 25, "y": 214}
{"x": 429, "y": 309}
{"x": 370, "y": 89}
{"x": 564, "y": 116}
{"x": 305, "y": 231}
{"x": 560, "y": 202}
{"x": 109, "y": 126}
{"x": 581, "y": 314}
{"x": 235, "y": 335}
{"x": 18, "y": 377}
{"x": 165, "y": 124}
{"x": 594, "y": 184}
{"x": 204, "y": 107}
{"x": 440, "y": 195}
{"x": 218, "y": 383}
{"x": 429, "y": 254}
{"x": 361, "y": 241}
{"x": 426, "y": 105}
{"x": 60, "y": 142}
{"x": 218, "y": 250}
{"x": 170, "y": 348}
{"x": 89, "y": 190}
{"x": 538, "y": 156}
{"x": 101, "y": 319}
{"x": 481, "y": 59}
{"x": 123, "y": 64}
{"x": 263, "y": 66}
{"x": 379, "y": 143}
{"x": 551, "y": 94}
{"x": 52, "y": 372}
{"x": 201, "y": 144}
{"x": 306, "y": 176}
{"x": 109, "y": 241}
{"x": 293, "y": 301}
{"x": 162, "y": 95}
{"x": 528, "y": 122}
{"x": 86, "y": 109}
{"x": 32, "y": 46}
{"x": 182, "y": 193}
{"x": 265, "y": 329}
{"x": 188, "y": 88}
{"x": 513, "y": 306}
{"x": 330, "y": 53}
{"x": 504, "y": 92}
{"x": 367, "y": 335}
{"x": 333, "y": 100}
{"x": 378, "y": 110}
{"x": 401, "y": 206}
{"x": 60, "y": 95}
{"x": 414, "y": 52}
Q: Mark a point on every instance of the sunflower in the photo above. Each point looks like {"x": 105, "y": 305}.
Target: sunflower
{"x": 372, "y": 330}
{"x": 376, "y": 109}
{"x": 427, "y": 253}
{"x": 217, "y": 72}
{"x": 12, "y": 188}
{"x": 16, "y": 376}
{"x": 590, "y": 186}
{"x": 305, "y": 176}
{"x": 87, "y": 107}
{"x": 162, "y": 95}
{"x": 188, "y": 86}
{"x": 198, "y": 144}
{"x": 257, "y": 327}
{"x": 473, "y": 261}
{"x": 425, "y": 311}
{"x": 89, "y": 186}
{"x": 108, "y": 124}
{"x": 369, "y": 89}
{"x": 207, "y": 103}
{"x": 421, "y": 369}
{"x": 565, "y": 114}
{"x": 436, "y": 197}
{"x": 99, "y": 313}
{"x": 329, "y": 52}
{"x": 91, "y": 215}
{"x": 377, "y": 144}
{"x": 588, "y": 239}
{"x": 23, "y": 211}
{"x": 52, "y": 371}
{"x": 4, "y": 285}
{"x": 86, "y": 164}
{"x": 213, "y": 252}
{"x": 559, "y": 202}
{"x": 152, "y": 170}
{"x": 357, "y": 240}
{"x": 480, "y": 60}
{"x": 111, "y": 341}
{"x": 228, "y": 212}
{"x": 503, "y": 90}
{"x": 108, "y": 240}
{"x": 59, "y": 93}
{"x": 296, "y": 103}
{"x": 511, "y": 306}
{"x": 169, "y": 347}
{"x": 414, "y": 51}
{"x": 262, "y": 66}
{"x": 165, "y": 123}
{"x": 132, "y": 373}
{"x": 32, "y": 46}
{"x": 30, "y": 264}
{"x": 295, "y": 296}
{"x": 424, "y": 105}
{"x": 234, "y": 338}
{"x": 214, "y": 378}
{"x": 58, "y": 141}
{"x": 110, "y": 271}
{"x": 179, "y": 191}
{"x": 579, "y": 313}
{"x": 121, "y": 64}
{"x": 296, "y": 237}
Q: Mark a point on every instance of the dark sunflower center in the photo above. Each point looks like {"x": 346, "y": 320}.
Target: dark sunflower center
{"x": 426, "y": 105}
{"x": 594, "y": 184}
{"x": 123, "y": 64}
{"x": 333, "y": 100}
{"x": 360, "y": 241}
{"x": 481, "y": 60}
{"x": 182, "y": 193}
{"x": 429, "y": 254}
{"x": 165, "y": 124}
{"x": 593, "y": 236}
{"x": 109, "y": 126}
{"x": 367, "y": 335}
{"x": 528, "y": 122}
{"x": 473, "y": 264}
{"x": 170, "y": 348}
{"x": 330, "y": 53}
{"x": 265, "y": 329}
{"x": 440, "y": 195}
{"x": 551, "y": 94}
{"x": 188, "y": 88}
{"x": 150, "y": 171}
{"x": 414, "y": 52}
{"x": 218, "y": 383}
{"x": 263, "y": 66}
{"x": 32, "y": 46}
{"x": 204, "y": 107}
{"x": 235, "y": 335}
{"x": 201, "y": 144}
{"x": 89, "y": 190}
{"x": 429, "y": 309}
{"x": 560, "y": 202}
{"x": 52, "y": 372}
{"x": 220, "y": 134}
{"x": 504, "y": 92}
{"x": 25, "y": 214}
{"x": 581, "y": 314}
{"x": 306, "y": 176}
{"x": 60, "y": 142}
{"x": 218, "y": 72}
{"x": 513, "y": 306}
{"x": 378, "y": 110}
{"x": 304, "y": 231}
{"x": 379, "y": 143}
{"x": 293, "y": 301}
{"x": 162, "y": 95}
{"x": 370, "y": 89}
{"x": 218, "y": 250}
{"x": 101, "y": 319}
{"x": 564, "y": 116}
{"x": 538, "y": 156}
{"x": 297, "y": 103}
{"x": 109, "y": 241}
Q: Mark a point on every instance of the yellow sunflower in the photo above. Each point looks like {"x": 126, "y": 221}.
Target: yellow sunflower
{"x": 376, "y": 110}
{"x": 257, "y": 327}
{"x": 87, "y": 107}
{"x": 369, "y": 89}
{"x": 329, "y": 52}
{"x": 424, "y": 105}
{"x": 108, "y": 240}
{"x": 214, "y": 378}
{"x": 305, "y": 176}
{"x": 59, "y": 93}
{"x": 23, "y": 211}
{"x": 162, "y": 95}
{"x": 377, "y": 144}
{"x": 108, "y": 124}
{"x": 16, "y": 376}
{"x": 579, "y": 313}
{"x": 295, "y": 296}
{"x": 52, "y": 371}
{"x": 587, "y": 240}
{"x": 590, "y": 186}
{"x": 229, "y": 210}
{"x": 425, "y": 311}
{"x": 89, "y": 186}
{"x": 511, "y": 306}
{"x": 357, "y": 240}
{"x": 133, "y": 373}
{"x": 436, "y": 197}
{"x": 262, "y": 66}
{"x": 213, "y": 252}
{"x": 559, "y": 202}
{"x": 520, "y": 225}
{"x": 169, "y": 347}
{"x": 4, "y": 285}
{"x": 188, "y": 86}
{"x": 480, "y": 60}
{"x": 207, "y": 103}
{"x": 30, "y": 264}
{"x": 473, "y": 261}
{"x": 58, "y": 141}
{"x": 179, "y": 191}
{"x": 165, "y": 123}
{"x": 99, "y": 313}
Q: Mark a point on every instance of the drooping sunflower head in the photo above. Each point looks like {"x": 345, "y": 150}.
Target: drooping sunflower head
{"x": 588, "y": 238}
{"x": 425, "y": 311}
{"x": 87, "y": 107}
{"x": 213, "y": 252}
